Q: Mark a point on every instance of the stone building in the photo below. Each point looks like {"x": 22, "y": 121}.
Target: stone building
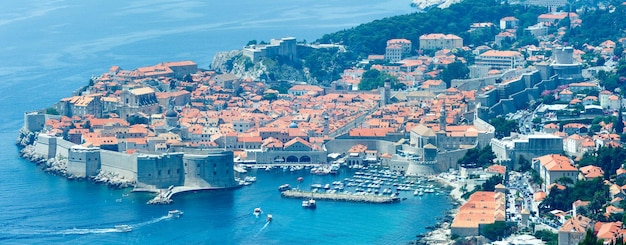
{"x": 138, "y": 100}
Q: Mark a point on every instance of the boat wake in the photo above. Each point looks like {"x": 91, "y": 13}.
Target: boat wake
{"x": 85, "y": 231}
{"x": 263, "y": 228}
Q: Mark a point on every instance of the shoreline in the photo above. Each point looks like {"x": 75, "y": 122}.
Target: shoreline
{"x": 441, "y": 235}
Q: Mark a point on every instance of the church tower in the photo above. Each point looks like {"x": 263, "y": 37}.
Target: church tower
{"x": 442, "y": 117}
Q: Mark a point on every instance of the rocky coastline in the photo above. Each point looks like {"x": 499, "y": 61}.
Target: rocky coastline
{"x": 441, "y": 232}
{"x": 58, "y": 166}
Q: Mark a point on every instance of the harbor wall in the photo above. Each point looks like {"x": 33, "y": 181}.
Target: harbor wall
{"x": 209, "y": 169}
{"x": 414, "y": 169}
{"x": 83, "y": 161}
{"x": 343, "y": 145}
{"x": 34, "y": 121}
{"x": 45, "y": 145}
{"x": 448, "y": 159}
{"x": 125, "y": 165}
{"x": 63, "y": 148}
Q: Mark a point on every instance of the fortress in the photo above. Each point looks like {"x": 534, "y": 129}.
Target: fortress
{"x": 191, "y": 168}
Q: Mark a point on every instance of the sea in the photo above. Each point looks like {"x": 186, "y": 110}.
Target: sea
{"x": 49, "y": 48}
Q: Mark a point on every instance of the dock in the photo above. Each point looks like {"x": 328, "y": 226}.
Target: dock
{"x": 339, "y": 197}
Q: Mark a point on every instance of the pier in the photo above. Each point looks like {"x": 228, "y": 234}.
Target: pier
{"x": 339, "y": 197}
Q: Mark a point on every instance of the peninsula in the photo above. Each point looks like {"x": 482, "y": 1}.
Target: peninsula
{"x": 512, "y": 110}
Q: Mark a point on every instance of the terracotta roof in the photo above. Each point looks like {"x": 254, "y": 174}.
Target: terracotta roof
{"x": 578, "y": 224}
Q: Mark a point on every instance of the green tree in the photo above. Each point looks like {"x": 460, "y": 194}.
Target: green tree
{"x": 549, "y": 237}
{"x": 497, "y": 230}
{"x": 490, "y": 184}
{"x": 87, "y": 124}
{"x": 486, "y": 157}
{"x": 524, "y": 164}
{"x": 270, "y": 96}
{"x": 590, "y": 239}
{"x": 503, "y": 127}
{"x": 455, "y": 70}
{"x": 52, "y": 111}
{"x": 373, "y": 79}
{"x": 619, "y": 123}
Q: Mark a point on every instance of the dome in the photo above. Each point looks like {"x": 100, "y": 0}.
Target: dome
{"x": 293, "y": 125}
{"x": 171, "y": 113}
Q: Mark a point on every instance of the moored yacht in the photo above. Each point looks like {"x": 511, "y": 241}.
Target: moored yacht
{"x": 309, "y": 203}
{"x": 284, "y": 187}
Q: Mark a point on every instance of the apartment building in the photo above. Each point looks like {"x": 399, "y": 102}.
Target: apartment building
{"x": 496, "y": 59}
{"x": 440, "y": 41}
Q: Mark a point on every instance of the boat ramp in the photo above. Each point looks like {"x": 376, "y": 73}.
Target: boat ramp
{"x": 339, "y": 197}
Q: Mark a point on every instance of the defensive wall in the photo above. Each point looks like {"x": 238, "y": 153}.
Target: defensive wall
{"x": 186, "y": 167}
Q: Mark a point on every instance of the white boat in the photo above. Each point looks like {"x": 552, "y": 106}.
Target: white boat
{"x": 124, "y": 228}
{"x": 309, "y": 203}
{"x": 269, "y": 217}
{"x": 257, "y": 211}
{"x": 175, "y": 213}
{"x": 416, "y": 192}
{"x": 249, "y": 179}
{"x": 284, "y": 187}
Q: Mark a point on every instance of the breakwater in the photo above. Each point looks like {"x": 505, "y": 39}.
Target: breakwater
{"x": 339, "y": 197}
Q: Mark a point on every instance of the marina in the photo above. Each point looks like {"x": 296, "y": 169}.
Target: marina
{"x": 340, "y": 197}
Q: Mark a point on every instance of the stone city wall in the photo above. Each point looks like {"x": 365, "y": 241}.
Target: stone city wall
{"x": 123, "y": 164}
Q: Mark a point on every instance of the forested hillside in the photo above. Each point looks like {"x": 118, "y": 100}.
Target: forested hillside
{"x": 371, "y": 38}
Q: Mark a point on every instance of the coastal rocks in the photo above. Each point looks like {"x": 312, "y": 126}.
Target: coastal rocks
{"x": 112, "y": 180}
{"x": 425, "y": 4}
{"x": 25, "y": 138}
{"x": 268, "y": 69}
{"x": 222, "y": 61}
{"x": 52, "y": 165}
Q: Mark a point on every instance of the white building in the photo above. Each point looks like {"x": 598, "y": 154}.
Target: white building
{"x": 397, "y": 49}
{"x": 553, "y": 167}
{"x": 500, "y": 59}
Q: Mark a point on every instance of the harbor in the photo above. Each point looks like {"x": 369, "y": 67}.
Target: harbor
{"x": 339, "y": 197}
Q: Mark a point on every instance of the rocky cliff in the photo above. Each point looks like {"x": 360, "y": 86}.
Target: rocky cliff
{"x": 266, "y": 69}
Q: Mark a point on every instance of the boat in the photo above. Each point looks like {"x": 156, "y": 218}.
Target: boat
{"x": 175, "y": 213}
{"x": 257, "y": 211}
{"x": 284, "y": 187}
{"x": 309, "y": 203}
{"x": 416, "y": 192}
{"x": 249, "y": 179}
{"x": 124, "y": 228}
{"x": 269, "y": 217}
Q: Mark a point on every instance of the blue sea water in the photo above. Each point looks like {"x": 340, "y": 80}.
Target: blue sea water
{"x": 50, "y": 48}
